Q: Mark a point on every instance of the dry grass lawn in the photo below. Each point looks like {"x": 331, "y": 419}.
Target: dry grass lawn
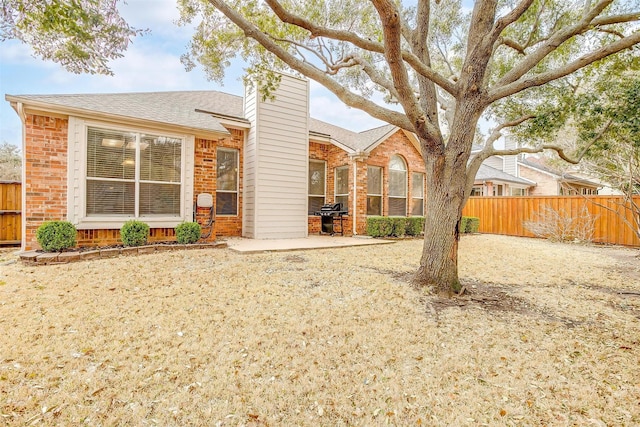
{"x": 548, "y": 335}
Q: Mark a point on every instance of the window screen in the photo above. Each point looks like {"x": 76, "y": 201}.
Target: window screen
{"x": 114, "y": 160}
{"x": 317, "y": 185}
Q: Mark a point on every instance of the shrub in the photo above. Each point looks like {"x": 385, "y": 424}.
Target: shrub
{"x": 462, "y": 225}
{"x": 384, "y": 226}
{"x": 562, "y": 226}
{"x": 469, "y": 224}
{"x": 399, "y": 226}
{"x": 55, "y": 236}
{"x": 134, "y": 233}
{"x": 473, "y": 224}
{"x": 415, "y": 225}
{"x": 188, "y": 232}
{"x": 379, "y": 226}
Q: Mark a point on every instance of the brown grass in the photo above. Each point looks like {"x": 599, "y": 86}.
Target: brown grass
{"x": 548, "y": 335}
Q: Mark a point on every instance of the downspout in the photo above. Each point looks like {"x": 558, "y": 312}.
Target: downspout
{"x": 356, "y": 157}
{"x": 355, "y": 197}
{"x": 23, "y": 178}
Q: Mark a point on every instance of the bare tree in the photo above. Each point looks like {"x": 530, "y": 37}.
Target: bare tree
{"x": 10, "y": 162}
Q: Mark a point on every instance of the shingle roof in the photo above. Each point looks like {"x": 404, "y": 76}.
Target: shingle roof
{"x": 540, "y": 163}
{"x": 179, "y": 108}
{"x": 487, "y": 173}
{"x": 358, "y": 141}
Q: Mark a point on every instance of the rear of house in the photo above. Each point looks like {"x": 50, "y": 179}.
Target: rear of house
{"x": 100, "y": 160}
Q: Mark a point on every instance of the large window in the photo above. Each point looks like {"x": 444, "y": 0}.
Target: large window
{"x": 397, "y": 186}
{"x": 227, "y": 181}
{"x": 133, "y": 174}
{"x": 417, "y": 194}
{"x": 342, "y": 186}
{"x": 374, "y": 190}
{"x": 317, "y": 185}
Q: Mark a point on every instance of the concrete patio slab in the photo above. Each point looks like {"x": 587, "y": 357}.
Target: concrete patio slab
{"x": 312, "y": 242}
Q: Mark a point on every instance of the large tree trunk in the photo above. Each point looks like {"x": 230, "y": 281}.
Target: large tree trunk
{"x": 445, "y": 200}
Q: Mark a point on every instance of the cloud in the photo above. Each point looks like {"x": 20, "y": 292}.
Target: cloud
{"x": 16, "y": 53}
{"x": 325, "y": 106}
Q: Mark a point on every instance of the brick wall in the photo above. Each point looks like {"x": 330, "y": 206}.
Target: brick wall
{"x": 546, "y": 185}
{"x": 46, "y": 183}
{"x": 335, "y": 157}
{"x": 45, "y": 186}
{"x": 45, "y": 157}
{"x": 205, "y": 179}
{"x": 398, "y": 143}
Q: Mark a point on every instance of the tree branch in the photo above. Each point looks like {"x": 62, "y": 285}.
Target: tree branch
{"x": 524, "y": 83}
{"x": 551, "y": 44}
{"x": 365, "y": 44}
{"x": 509, "y": 19}
{"x": 510, "y": 43}
{"x": 375, "y": 76}
{"x": 346, "y": 96}
{"x": 391, "y": 29}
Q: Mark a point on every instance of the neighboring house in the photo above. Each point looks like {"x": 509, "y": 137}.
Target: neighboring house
{"x": 98, "y": 160}
{"x": 495, "y": 182}
{"x": 552, "y": 182}
{"x": 528, "y": 176}
{"x": 498, "y": 176}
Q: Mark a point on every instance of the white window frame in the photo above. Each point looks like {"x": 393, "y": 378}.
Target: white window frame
{"x": 345, "y": 206}
{"x": 381, "y": 169}
{"x": 237, "y": 190}
{"x": 477, "y": 189}
{"x": 324, "y": 184}
{"x": 406, "y": 184}
{"x": 77, "y": 178}
{"x": 422, "y": 181}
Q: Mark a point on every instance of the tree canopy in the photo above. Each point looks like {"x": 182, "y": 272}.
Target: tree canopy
{"x": 81, "y": 35}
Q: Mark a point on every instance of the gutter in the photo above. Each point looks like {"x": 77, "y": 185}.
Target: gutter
{"x": 19, "y": 107}
{"x": 359, "y": 156}
{"x": 104, "y": 116}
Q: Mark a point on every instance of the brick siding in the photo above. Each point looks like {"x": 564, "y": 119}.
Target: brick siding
{"x": 45, "y": 186}
{"x": 398, "y": 143}
{"x": 205, "y": 179}
{"x": 46, "y": 183}
{"x": 45, "y": 160}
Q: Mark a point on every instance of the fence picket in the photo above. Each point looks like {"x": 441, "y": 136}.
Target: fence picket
{"x": 507, "y": 215}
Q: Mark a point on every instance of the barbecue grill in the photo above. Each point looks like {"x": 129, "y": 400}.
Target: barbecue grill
{"x": 328, "y": 213}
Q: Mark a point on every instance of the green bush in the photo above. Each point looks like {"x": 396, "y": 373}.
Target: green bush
{"x": 473, "y": 224}
{"x": 379, "y": 226}
{"x": 55, "y": 236}
{"x": 399, "y": 226}
{"x": 415, "y": 225}
{"x": 188, "y": 232}
{"x": 134, "y": 233}
{"x": 462, "y": 225}
{"x": 469, "y": 224}
{"x": 385, "y": 226}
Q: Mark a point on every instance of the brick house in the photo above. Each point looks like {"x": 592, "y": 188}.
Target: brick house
{"x": 98, "y": 160}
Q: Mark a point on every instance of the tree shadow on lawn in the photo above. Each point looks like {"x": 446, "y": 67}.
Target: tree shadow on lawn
{"x": 499, "y": 299}
{"x": 496, "y": 299}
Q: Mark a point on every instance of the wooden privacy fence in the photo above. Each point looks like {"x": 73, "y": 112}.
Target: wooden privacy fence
{"x": 10, "y": 215}
{"x": 508, "y": 215}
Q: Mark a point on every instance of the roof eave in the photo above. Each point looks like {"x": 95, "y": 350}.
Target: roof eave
{"x": 30, "y": 104}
